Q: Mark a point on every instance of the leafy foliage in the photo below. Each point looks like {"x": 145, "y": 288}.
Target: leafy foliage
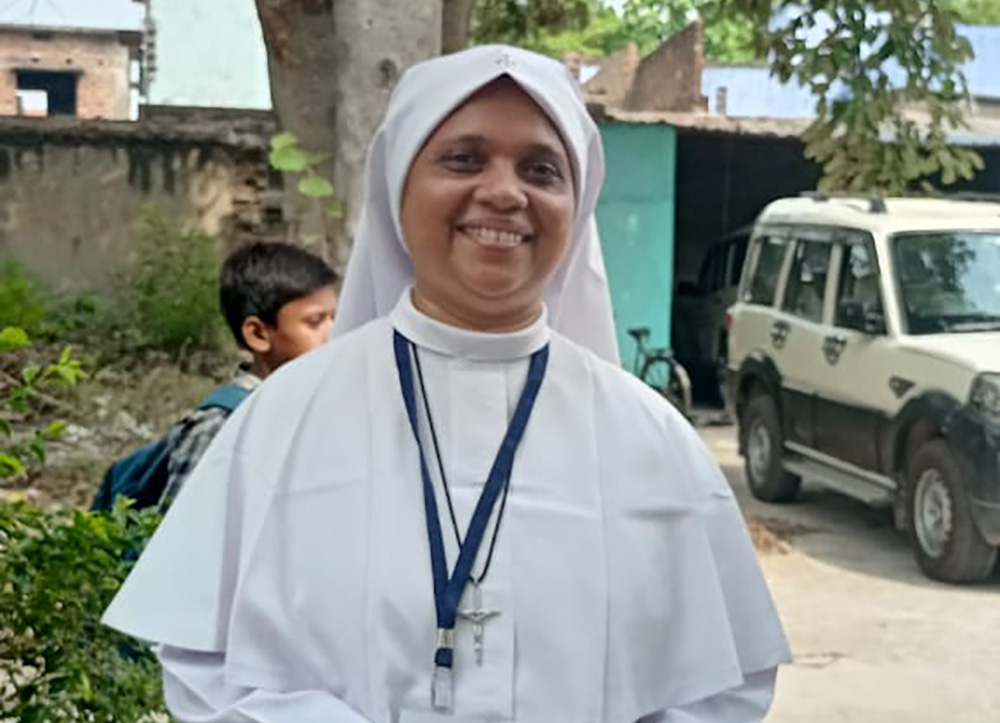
{"x": 170, "y": 294}
{"x": 21, "y": 446}
{"x": 58, "y": 572}
{"x": 313, "y": 188}
{"x": 22, "y": 299}
{"x": 886, "y": 75}
{"x": 591, "y": 27}
{"x": 527, "y": 22}
{"x": 975, "y": 12}
{"x": 650, "y": 22}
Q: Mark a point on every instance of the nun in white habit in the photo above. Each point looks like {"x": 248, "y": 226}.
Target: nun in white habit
{"x": 461, "y": 508}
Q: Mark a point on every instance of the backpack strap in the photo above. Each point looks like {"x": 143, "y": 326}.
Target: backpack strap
{"x": 226, "y": 397}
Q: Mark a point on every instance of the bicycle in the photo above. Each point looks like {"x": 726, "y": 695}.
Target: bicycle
{"x": 660, "y": 370}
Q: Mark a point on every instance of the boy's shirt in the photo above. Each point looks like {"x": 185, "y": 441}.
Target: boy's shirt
{"x": 193, "y": 435}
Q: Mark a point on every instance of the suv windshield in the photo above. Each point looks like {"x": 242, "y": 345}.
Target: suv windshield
{"x": 949, "y": 280}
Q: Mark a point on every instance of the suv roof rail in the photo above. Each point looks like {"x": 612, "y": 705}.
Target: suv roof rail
{"x": 978, "y": 196}
{"x": 876, "y": 204}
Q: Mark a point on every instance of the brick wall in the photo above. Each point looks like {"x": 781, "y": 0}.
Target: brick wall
{"x": 101, "y": 61}
{"x": 669, "y": 78}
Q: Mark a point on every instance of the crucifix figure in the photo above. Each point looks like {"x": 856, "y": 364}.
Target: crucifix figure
{"x": 478, "y": 616}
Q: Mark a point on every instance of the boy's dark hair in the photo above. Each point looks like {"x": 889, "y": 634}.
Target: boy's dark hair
{"x": 260, "y": 278}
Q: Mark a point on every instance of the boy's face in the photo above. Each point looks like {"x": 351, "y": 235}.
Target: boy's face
{"x": 302, "y": 325}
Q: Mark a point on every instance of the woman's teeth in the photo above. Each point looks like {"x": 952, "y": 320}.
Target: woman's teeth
{"x": 493, "y": 237}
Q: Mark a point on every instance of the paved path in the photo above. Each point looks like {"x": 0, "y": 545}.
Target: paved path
{"x": 874, "y": 640}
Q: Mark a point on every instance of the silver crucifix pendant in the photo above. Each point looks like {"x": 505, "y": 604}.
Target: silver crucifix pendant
{"x": 478, "y": 617}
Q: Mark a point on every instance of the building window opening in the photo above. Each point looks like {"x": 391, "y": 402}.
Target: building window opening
{"x": 43, "y": 92}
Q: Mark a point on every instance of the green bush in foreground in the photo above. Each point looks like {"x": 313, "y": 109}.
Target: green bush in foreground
{"x": 58, "y": 572}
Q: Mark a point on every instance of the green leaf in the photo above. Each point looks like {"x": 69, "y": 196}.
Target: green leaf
{"x": 38, "y": 449}
{"x": 55, "y": 429}
{"x": 30, "y": 373}
{"x": 10, "y": 466}
{"x": 315, "y": 187}
{"x": 13, "y": 337}
{"x": 68, "y": 374}
{"x": 66, "y": 356}
{"x": 283, "y": 140}
{"x": 289, "y": 159}
{"x": 5, "y": 428}
{"x": 335, "y": 211}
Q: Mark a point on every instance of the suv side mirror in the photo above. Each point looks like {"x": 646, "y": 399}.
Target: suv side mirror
{"x": 862, "y": 316}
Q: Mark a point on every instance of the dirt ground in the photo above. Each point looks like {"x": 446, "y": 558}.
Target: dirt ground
{"x": 874, "y": 641}
{"x": 112, "y": 412}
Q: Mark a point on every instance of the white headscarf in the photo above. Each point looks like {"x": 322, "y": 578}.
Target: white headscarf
{"x": 380, "y": 268}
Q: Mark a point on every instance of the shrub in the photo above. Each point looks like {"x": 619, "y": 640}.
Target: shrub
{"x": 58, "y": 572}
{"x": 171, "y": 292}
{"x": 22, "y": 299}
{"x": 21, "y": 446}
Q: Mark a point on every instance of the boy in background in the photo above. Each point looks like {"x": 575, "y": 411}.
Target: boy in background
{"x": 279, "y": 302}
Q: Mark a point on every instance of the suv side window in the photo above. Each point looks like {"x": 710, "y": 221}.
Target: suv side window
{"x": 709, "y": 271}
{"x": 806, "y": 286}
{"x": 737, "y": 255}
{"x": 859, "y": 281}
{"x": 763, "y": 283}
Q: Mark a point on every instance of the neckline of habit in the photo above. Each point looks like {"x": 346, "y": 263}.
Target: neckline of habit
{"x": 442, "y": 338}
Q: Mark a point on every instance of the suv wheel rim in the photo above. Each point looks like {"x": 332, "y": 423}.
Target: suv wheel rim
{"x": 932, "y": 513}
{"x": 759, "y": 451}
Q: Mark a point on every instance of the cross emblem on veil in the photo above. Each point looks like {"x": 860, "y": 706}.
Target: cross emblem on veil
{"x": 505, "y": 61}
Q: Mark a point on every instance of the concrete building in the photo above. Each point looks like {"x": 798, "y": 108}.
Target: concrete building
{"x": 65, "y": 57}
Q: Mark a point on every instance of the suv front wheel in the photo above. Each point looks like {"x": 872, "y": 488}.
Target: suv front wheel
{"x": 943, "y": 534}
{"x": 763, "y": 444}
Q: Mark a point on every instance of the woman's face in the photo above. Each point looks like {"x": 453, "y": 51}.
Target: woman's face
{"x": 488, "y": 210}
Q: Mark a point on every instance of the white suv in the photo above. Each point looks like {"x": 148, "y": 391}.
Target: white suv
{"x": 864, "y": 354}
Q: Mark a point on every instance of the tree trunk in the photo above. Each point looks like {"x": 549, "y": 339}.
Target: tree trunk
{"x": 332, "y": 65}
{"x": 455, "y": 24}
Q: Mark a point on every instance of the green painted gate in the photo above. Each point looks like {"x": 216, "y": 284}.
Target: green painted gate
{"x": 635, "y": 216}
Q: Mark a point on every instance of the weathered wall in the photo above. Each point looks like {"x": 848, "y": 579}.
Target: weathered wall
{"x": 100, "y": 59}
{"x": 71, "y": 192}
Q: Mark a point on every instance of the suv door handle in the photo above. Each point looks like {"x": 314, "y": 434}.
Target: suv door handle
{"x": 833, "y": 347}
{"x": 779, "y": 333}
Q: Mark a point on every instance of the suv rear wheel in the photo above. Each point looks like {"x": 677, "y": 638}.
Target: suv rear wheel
{"x": 763, "y": 444}
{"x": 942, "y": 531}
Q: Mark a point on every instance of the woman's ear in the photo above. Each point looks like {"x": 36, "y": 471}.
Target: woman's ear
{"x": 256, "y": 335}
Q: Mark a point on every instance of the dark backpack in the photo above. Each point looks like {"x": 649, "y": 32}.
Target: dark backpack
{"x": 142, "y": 476}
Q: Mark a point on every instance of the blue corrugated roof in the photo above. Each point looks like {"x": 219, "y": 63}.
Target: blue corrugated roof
{"x": 751, "y": 92}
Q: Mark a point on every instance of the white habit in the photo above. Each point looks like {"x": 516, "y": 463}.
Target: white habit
{"x": 291, "y": 581}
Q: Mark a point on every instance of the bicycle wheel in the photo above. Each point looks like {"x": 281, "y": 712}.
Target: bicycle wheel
{"x": 666, "y": 376}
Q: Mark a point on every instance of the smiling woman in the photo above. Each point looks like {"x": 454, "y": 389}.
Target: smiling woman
{"x": 487, "y": 211}
{"x": 459, "y": 510}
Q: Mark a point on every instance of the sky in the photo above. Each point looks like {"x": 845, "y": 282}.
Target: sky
{"x": 91, "y": 14}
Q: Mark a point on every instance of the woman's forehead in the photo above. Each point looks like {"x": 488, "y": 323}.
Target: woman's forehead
{"x": 502, "y": 109}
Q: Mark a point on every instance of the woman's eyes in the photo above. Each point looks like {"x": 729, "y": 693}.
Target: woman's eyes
{"x": 534, "y": 171}
{"x": 462, "y": 161}
{"x": 544, "y": 171}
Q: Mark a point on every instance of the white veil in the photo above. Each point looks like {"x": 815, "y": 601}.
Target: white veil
{"x": 578, "y": 299}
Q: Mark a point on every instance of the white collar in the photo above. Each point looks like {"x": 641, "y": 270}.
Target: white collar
{"x": 476, "y": 345}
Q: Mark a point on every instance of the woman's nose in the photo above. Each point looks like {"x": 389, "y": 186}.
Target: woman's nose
{"x": 502, "y": 188}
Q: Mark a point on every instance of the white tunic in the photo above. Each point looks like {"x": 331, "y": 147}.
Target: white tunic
{"x": 291, "y": 580}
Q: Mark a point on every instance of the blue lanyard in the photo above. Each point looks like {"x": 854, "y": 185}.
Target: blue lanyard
{"x": 448, "y": 590}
